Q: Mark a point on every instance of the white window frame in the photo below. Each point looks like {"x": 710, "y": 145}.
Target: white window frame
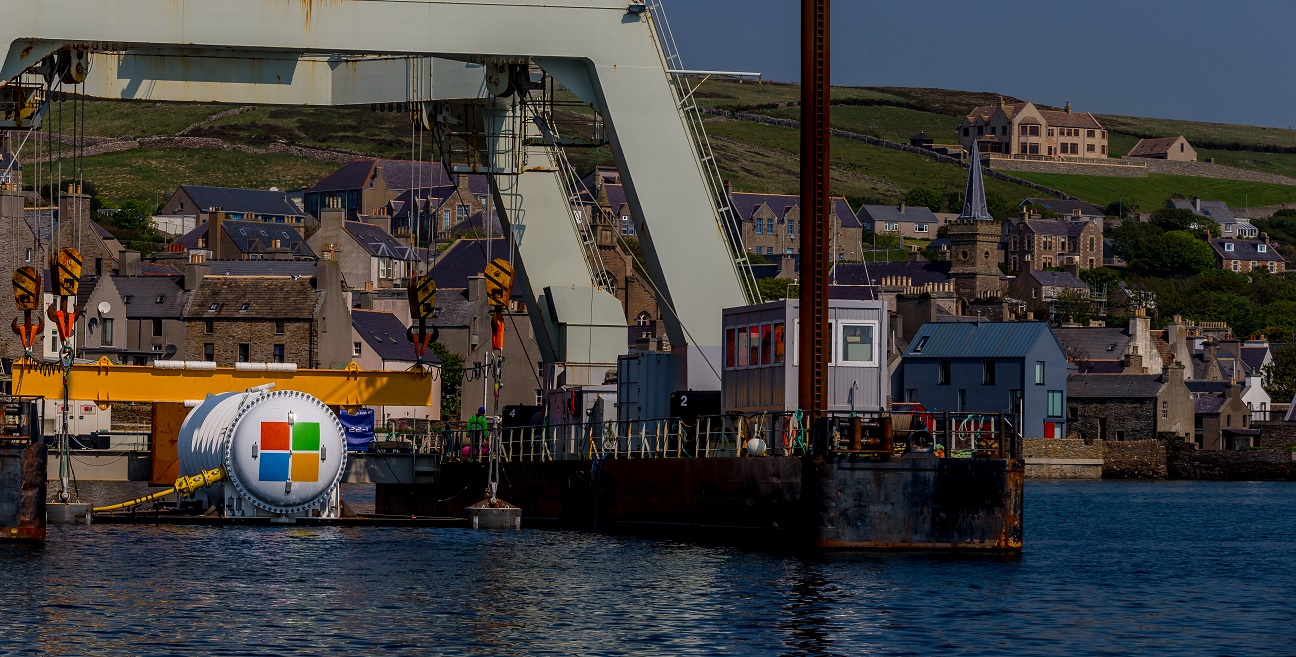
{"x": 1228, "y": 246}
{"x": 838, "y": 332}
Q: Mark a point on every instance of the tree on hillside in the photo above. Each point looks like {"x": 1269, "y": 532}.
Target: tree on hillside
{"x": 451, "y": 379}
{"x": 1152, "y": 252}
{"x": 1280, "y": 375}
{"x": 1000, "y": 208}
{"x": 1120, "y": 208}
{"x": 923, "y": 197}
{"x": 1169, "y": 219}
{"x": 772, "y": 289}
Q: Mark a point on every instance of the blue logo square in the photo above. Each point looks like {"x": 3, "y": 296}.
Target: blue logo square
{"x": 274, "y": 466}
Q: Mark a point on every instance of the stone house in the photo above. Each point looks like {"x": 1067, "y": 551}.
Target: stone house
{"x": 134, "y": 318}
{"x": 1222, "y": 420}
{"x": 222, "y": 239}
{"x": 364, "y": 186}
{"x": 440, "y": 213}
{"x": 379, "y": 343}
{"x": 198, "y": 201}
{"x": 369, "y": 256}
{"x": 1033, "y": 243}
{"x": 1230, "y": 225}
{"x": 1134, "y": 349}
{"x": 987, "y": 367}
{"x": 1072, "y": 209}
{"x": 1024, "y": 129}
{"x": 1045, "y": 291}
{"x": 1164, "y": 148}
{"x": 771, "y": 225}
{"x": 17, "y": 249}
{"x": 910, "y": 222}
{"x": 1129, "y": 406}
{"x": 269, "y": 319}
{"x": 1246, "y": 256}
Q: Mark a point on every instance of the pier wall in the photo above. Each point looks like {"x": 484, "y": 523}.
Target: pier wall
{"x": 1135, "y": 459}
{"x": 1062, "y": 458}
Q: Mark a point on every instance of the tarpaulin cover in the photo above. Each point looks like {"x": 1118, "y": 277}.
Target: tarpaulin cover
{"x": 359, "y": 428}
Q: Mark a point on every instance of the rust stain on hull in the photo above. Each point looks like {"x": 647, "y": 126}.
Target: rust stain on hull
{"x": 22, "y": 491}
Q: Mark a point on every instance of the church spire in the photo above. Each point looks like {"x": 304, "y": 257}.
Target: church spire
{"x": 974, "y": 199}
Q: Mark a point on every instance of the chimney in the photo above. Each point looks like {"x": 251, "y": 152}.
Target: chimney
{"x": 728, "y": 187}
{"x": 787, "y": 267}
{"x": 128, "y": 263}
{"x": 476, "y": 289}
{"x": 1174, "y": 375}
{"x": 1072, "y": 268}
{"x": 1068, "y": 107}
{"x": 902, "y": 207}
{"x": 1140, "y": 327}
{"x": 383, "y": 222}
{"x": 194, "y": 272}
{"x": 1134, "y": 362}
{"x": 215, "y": 231}
{"x": 331, "y": 219}
{"x": 1197, "y": 204}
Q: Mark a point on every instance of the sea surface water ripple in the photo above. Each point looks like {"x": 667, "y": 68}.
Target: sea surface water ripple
{"x": 1109, "y": 568}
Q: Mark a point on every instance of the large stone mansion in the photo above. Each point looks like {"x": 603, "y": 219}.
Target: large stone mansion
{"x": 1024, "y": 129}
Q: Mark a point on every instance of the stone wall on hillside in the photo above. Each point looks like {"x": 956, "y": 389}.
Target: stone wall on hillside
{"x": 1135, "y": 459}
{"x": 1074, "y": 168}
{"x": 1212, "y": 170}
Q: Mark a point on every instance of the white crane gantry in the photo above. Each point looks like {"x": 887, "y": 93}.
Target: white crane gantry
{"x": 348, "y": 52}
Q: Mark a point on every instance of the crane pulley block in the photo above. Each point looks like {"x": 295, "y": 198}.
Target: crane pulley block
{"x": 499, "y": 282}
{"x": 27, "y": 288}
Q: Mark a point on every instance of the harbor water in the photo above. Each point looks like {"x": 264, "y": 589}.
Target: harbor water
{"x": 1109, "y": 568}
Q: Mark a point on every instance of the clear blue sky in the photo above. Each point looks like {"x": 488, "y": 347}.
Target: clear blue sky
{"x": 1227, "y": 61}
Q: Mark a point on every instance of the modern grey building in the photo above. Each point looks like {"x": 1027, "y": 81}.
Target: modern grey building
{"x": 987, "y": 367}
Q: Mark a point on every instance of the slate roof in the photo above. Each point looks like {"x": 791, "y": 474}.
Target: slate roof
{"x": 1102, "y": 343}
{"x": 255, "y": 201}
{"x": 397, "y": 174}
{"x": 299, "y": 268}
{"x": 872, "y": 273}
{"x": 1152, "y": 147}
{"x": 978, "y": 339}
{"x": 1217, "y": 210}
{"x": 1054, "y": 118}
{"x": 744, "y": 204}
{"x": 456, "y": 310}
{"x": 464, "y": 259}
{"x": 912, "y": 214}
{"x": 1207, "y": 403}
{"x": 258, "y": 236}
{"x": 761, "y": 272}
{"x": 151, "y": 297}
{"x": 854, "y": 292}
{"x": 1066, "y": 208}
{"x": 266, "y": 297}
{"x": 1056, "y": 227}
{"x": 376, "y": 241}
{"x": 385, "y": 335}
{"x": 1245, "y": 250}
{"x": 190, "y": 239}
{"x": 1058, "y": 279}
{"x": 1113, "y": 386}
{"x": 1254, "y": 358}
{"x": 635, "y": 333}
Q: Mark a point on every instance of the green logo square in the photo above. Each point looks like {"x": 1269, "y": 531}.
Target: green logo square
{"x": 306, "y": 437}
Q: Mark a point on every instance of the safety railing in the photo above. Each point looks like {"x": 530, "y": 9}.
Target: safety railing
{"x": 939, "y": 435}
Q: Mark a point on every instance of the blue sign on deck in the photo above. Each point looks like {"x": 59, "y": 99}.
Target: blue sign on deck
{"x": 359, "y": 427}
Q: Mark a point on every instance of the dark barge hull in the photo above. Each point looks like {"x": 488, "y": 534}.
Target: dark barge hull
{"x": 22, "y": 491}
{"x": 840, "y": 502}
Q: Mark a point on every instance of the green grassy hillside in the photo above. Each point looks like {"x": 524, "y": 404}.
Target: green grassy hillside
{"x": 1152, "y": 192}
{"x": 755, "y": 157}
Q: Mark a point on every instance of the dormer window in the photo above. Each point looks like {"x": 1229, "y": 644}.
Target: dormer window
{"x": 161, "y": 298}
{"x": 1262, "y": 248}
{"x": 1228, "y": 246}
{"x": 213, "y": 308}
{"x": 243, "y": 308}
{"x": 922, "y": 342}
{"x": 127, "y": 299}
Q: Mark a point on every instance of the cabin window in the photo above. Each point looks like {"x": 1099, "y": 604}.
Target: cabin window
{"x": 943, "y": 377}
{"x": 988, "y": 373}
{"x": 1039, "y": 372}
{"x": 856, "y": 342}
